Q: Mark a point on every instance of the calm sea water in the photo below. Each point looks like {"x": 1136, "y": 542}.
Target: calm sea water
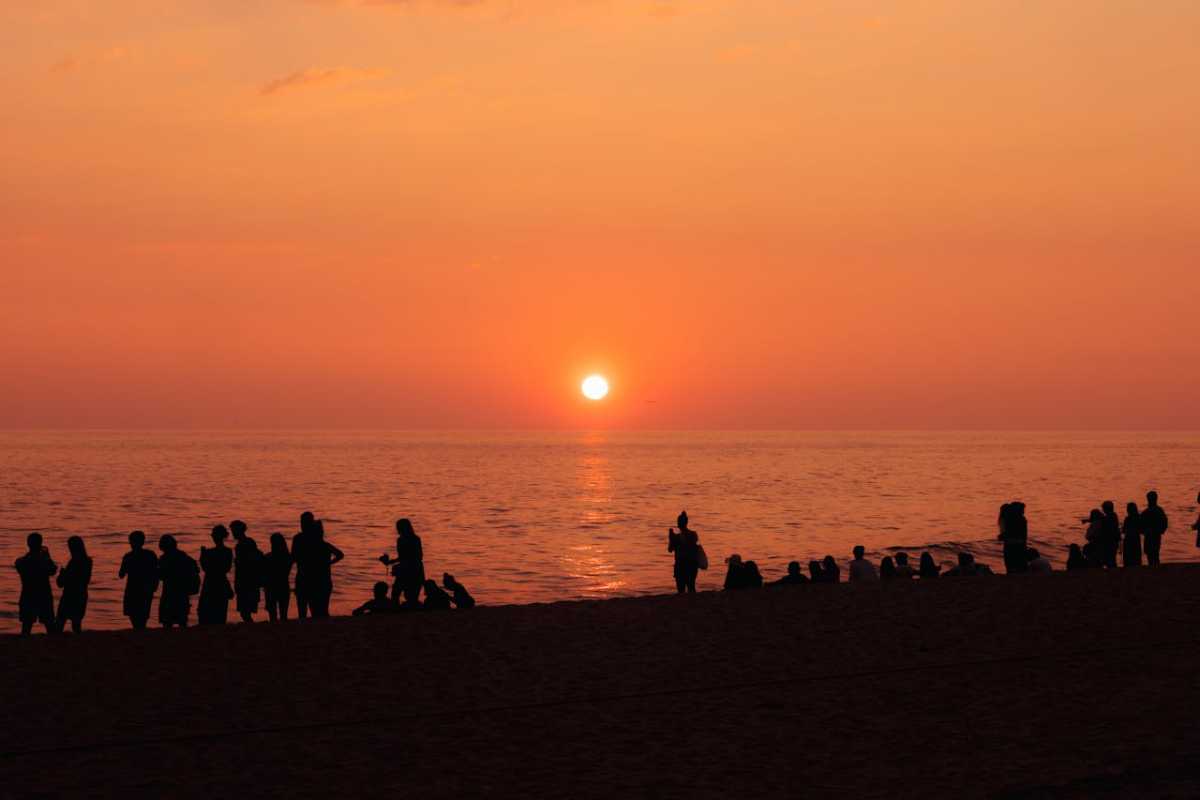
{"x": 529, "y": 517}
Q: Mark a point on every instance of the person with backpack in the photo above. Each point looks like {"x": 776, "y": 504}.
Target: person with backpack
{"x": 1154, "y": 525}
{"x": 180, "y": 577}
{"x": 690, "y": 557}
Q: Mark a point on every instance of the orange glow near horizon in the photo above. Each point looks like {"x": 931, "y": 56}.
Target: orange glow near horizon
{"x": 437, "y": 214}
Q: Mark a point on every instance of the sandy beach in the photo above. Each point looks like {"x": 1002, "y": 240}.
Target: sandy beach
{"x": 1072, "y": 685}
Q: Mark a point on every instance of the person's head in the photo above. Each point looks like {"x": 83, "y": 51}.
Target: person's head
{"x": 76, "y": 547}
{"x": 404, "y": 527}
{"x": 238, "y": 529}
{"x": 1096, "y": 516}
{"x": 167, "y": 543}
{"x": 793, "y": 568}
{"x": 814, "y": 569}
{"x": 1131, "y": 509}
{"x": 902, "y": 559}
{"x": 306, "y": 521}
{"x": 136, "y": 540}
{"x": 219, "y": 534}
{"x": 34, "y": 540}
{"x": 682, "y": 520}
{"x": 887, "y": 566}
{"x": 1152, "y": 498}
{"x": 734, "y": 561}
{"x": 1032, "y": 554}
{"x": 1004, "y": 510}
{"x": 751, "y": 568}
{"x": 965, "y": 559}
{"x": 448, "y": 580}
{"x": 828, "y": 562}
{"x": 278, "y": 543}
{"x": 380, "y": 590}
{"x": 859, "y": 550}
{"x": 1107, "y": 507}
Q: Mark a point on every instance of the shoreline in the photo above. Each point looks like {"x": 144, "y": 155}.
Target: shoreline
{"x": 1023, "y": 685}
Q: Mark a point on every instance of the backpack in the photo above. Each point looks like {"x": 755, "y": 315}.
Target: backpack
{"x": 701, "y": 557}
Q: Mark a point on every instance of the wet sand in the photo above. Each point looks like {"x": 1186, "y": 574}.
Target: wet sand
{"x": 1072, "y": 685}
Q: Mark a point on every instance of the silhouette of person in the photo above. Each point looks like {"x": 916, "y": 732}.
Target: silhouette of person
{"x": 1196, "y": 524}
{"x": 793, "y": 577}
{"x": 73, "y": 579}
{"x": 462, "y": 598}
{"x": 830, "y": 571}
{"x": 751, "y": 577}
{"x": 215, "y": 594}
{"x": 1075, "y": 558}
{"x": 968, "y": 567}
{"x": 180, "y": 580}
{"x": 139, "y": 568}
{"x": 247, "y": 571}
{"x": 927, "y": 568}
{"x": 1131, "y": 555}
{"x": 1014, "y": 532}
{"x": 1095, "y": 536}
{"x": 733, "y": 573}
{"x": 36, "y": 603}
{"x": 435, "y": 598}
{"x": 299, "y": 542}
{"x": 1038, "y": 563}
{"x": 321, "y": 556}
{"x": 1154, "y": 525}
{"x": 408, "y": 567}
{"x": 814, "y": 572}
{"x": 379, "y": 602}
{"x": 277, "y": 569}
{"x": 1111, "y": 540}
{"x": 860, "y": 568}
{"x": 887, "y": 569}
{"x": 689, "y": 555}
{"x": 904, "y": 570}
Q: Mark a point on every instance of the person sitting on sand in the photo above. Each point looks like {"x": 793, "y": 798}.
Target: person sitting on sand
{"x": 1092, "y": 556}
{"x": 1154, "y": 525}
{"x": 459, "y": 594}
{"x": 435, "y": 598}
{"x": 751, "y": 577}
{"x": 379, "y": 602}
{"x": 887, "y": 569}
{"x": 904, "y": 570}
{"x": 814, "y": 572}
{"x": 830, "y": 571}
{"x": 73, "y": 579}
{"x": 927, "y": 568}
{"x": 1131, "y": 553}
{"x": 247, "y": 571}
{"x": 733, "y": 572}
{"x": 1196, "y": 524}
{"x": 1038, "y": 563}
{"x": 793, "y": 577}
{"x": 860, "y": 568}
{"x": 37, "y": 601}
{"x": 180, "y": 580}
{"x": 1075, "y": 558}
{"x": 967, "y": 567}
{"x": 139, "y": 568}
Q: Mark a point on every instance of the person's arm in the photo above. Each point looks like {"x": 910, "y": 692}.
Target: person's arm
{"x": 337, "y": 554}
{"x": 121, "y": 571}
{"x": 358, "y": 612}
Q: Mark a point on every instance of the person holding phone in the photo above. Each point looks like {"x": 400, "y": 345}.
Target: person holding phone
{"x": 37, "y": 601}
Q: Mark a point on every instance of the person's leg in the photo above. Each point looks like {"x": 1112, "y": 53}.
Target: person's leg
{"x": 285, "y": 600}
{"x": 77, "y": 625}
{"x": 26, "y": 626}
{"x": 680, "y": 584}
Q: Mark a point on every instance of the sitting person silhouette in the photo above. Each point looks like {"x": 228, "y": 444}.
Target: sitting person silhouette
{"x": 814, "y": 572}
{"x": 1075, "y": 558}
{"x": 751, "y": 577}
{"x": 860, "y": 568}
{"x": 1038, "y": 563}
{"x": 887, "y": 569}
{"x": 1196, "y": 524}
{"x": 435, "y": 598}
{"x": 793, "y": 577}
{"x": 830, "y": 571}
{"x": 73, "y": 579}
{"x": 928, "y": 569}
{"x": 459, "y": 594}
{"x": 904, "y": 571}
{"x": 733, "y": 572}
{"x": 37, "y": 601}
{"x": 379, "y": 603}
{"x": 967, "y": 566}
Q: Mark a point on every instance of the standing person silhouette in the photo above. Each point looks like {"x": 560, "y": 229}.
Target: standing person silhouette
{"x": 180, "y": 580}
{"x": 73, "y": 579}
{"x": 37, "y": 601}
{"x": 1154, "y": 525}
{"x": 321, "y": 556}
{"x": 247, "y": 571}
{"x": 299, "y": 558}
{"x": 217, "y": 562}
{"x": 1196, "y": 524}
{"x": 689, "y": 555}
{"x": 277, "y": 568}
{"x": 1014, "y": 532}
{"x": 139, "y": 568}
{"x": 408, "y": 567}
{"x": 1132, "y": 554}
{"x": 1111, "y": 540}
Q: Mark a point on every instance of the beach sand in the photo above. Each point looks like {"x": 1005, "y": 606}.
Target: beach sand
{"x": 1071, "y": 685}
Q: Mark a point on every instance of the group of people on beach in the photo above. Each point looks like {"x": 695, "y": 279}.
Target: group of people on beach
{"x": 257, "y": 577}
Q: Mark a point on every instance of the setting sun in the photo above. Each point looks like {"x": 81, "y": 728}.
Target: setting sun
{"x": 594, "y": 387}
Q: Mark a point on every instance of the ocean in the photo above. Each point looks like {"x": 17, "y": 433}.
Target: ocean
{"x": 538, "y": 517}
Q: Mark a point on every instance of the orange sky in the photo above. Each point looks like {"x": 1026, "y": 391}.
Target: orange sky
{"x": 444, "y": 213}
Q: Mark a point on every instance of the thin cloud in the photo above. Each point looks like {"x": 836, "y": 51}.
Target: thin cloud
{"x": 318, "y": 76}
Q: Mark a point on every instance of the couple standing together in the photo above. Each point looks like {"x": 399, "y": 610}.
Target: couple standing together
{"x": 690, "y": 557}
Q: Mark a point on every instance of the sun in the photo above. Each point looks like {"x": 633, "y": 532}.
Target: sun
{"x": 594, "y": 387}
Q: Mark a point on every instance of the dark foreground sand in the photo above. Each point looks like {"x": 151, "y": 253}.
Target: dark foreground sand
{"x": 1074, "y": 685}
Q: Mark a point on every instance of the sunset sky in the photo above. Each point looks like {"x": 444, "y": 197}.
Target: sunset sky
{"x": 445, "y": 213}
